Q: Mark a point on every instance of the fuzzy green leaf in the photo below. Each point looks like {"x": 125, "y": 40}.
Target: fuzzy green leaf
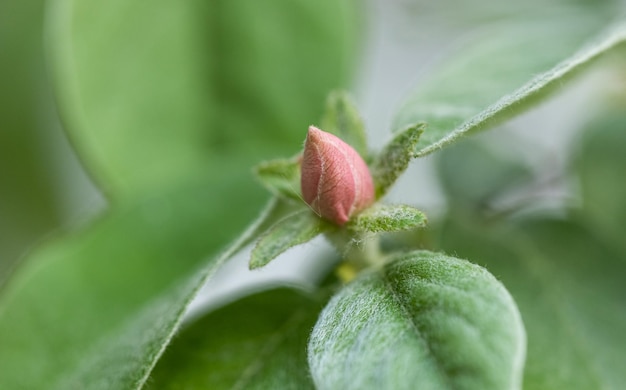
{"x": 394, "y": 159}
{"x": 222, "y": 350}
{"x": 342, "y": 118}
{"x": 387, "y": 218}
{"x": 425, "y": 321}
{"x": 281, "y": 176}
{"x": 503, "y": 74}
{"x": 293, "y": 230}
{"x": 570, "y": 289}
{"x": 154, "y": 95}
{"x": 95, "y": 310}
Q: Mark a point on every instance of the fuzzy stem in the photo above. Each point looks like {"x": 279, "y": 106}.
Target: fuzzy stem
{"x": 358, "y": 252}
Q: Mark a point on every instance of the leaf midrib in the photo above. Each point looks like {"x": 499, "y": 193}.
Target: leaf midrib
{"x": 396, "y": 296}
{"x": 611, "y": 38}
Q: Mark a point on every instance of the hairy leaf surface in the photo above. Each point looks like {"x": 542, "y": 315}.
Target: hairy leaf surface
{"x": 504, "y": 72}
{"x": 425, "y": 320}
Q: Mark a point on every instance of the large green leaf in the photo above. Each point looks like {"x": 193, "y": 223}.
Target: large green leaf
{"x": 256, "y": 343}
{"x": 96, "y": 309}
{"x": 28, "y": 203}
{"x": 600, "y": 166}
{"x": 503, "y": 72}
{"x": 570, "y": 290}
{"x": 153, "y": 93}
{"x": 473, "y": 175}
{"x": 424, "y": 321}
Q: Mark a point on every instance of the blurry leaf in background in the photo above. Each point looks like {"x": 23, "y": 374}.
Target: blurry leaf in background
{"x": 258, "y": 342}
{"x": 570, "y": 290}
{"x": 453, "y": 13}
{"x": 93, "y": 310}
{"x": 342, "y": 118}
{"x": 156, "y": 93}
{"x": 600, "y": 164}
{"x": 504, "y": 70}
{"x": 28, "y": 207}
{"x": 472, "y": 174}
{"x": 153, "y": 95}
{"x": 424, "y": 320}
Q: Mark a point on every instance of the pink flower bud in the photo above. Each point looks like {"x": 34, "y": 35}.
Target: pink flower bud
{"x": 335, "y": 180}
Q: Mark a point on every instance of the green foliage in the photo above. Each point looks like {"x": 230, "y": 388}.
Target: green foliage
{"x": 155, "y": 95}
{"x": 472, "y": 174}
{"x": 342, "y": 118}
{"x": 564, "y": 275}
{"x": 425, "y": 320}
{"x": 496, "y": 78}
{"x": 170, "y": 107}
{"x": 600, "y": 166}
{"x": 386, "y": 218}
{"x": 290, "y": 231}
{"x": 258, "y": 342}
{"x": 570, "y": 291}
{"x": 394, "y": 159}
{"x": 281, "y": 176}
{"x": 28, "y": 208}
{"x": 158, "y": 101}
{"x": 96, "y": 309}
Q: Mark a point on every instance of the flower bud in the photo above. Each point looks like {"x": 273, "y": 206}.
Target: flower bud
{"x": 335, "y": 180}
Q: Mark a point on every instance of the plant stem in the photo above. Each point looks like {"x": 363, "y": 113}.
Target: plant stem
{"x": 358, "y": 252}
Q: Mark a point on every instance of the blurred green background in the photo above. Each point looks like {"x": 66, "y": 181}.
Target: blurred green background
{"x": 30, "y": 204}
{"x": 43, "y": 187}
{"x": 180, "y": 99}
{"x": 221, "y": 92}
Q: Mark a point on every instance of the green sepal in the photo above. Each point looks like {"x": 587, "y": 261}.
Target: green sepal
{"x": 281, "y": 176}
{"x": 393, "y": 160}
{"x": 292, "y": 230}
{"x": 387, "y": 218}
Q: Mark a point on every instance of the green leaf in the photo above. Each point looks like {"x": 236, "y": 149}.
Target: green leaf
{"x": 29, "y": 200}
{"x": 258, "y": 342}
{"x": 292, "y": 230}
{"x": 96, "y": 309}
{"x": 600, "y": 166}
{"x": 503, "y": 74}
{"x": 281, "y": 176}
{"x": 569, "y": 288}
{"x": 342, "y": 118}
{"x": 154, "y": 95}
{"x": 387, "y": 218}
{"x": 472, "y": 174}
{"x": 424, "y": 321}
{"x": 394, "y": 159}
